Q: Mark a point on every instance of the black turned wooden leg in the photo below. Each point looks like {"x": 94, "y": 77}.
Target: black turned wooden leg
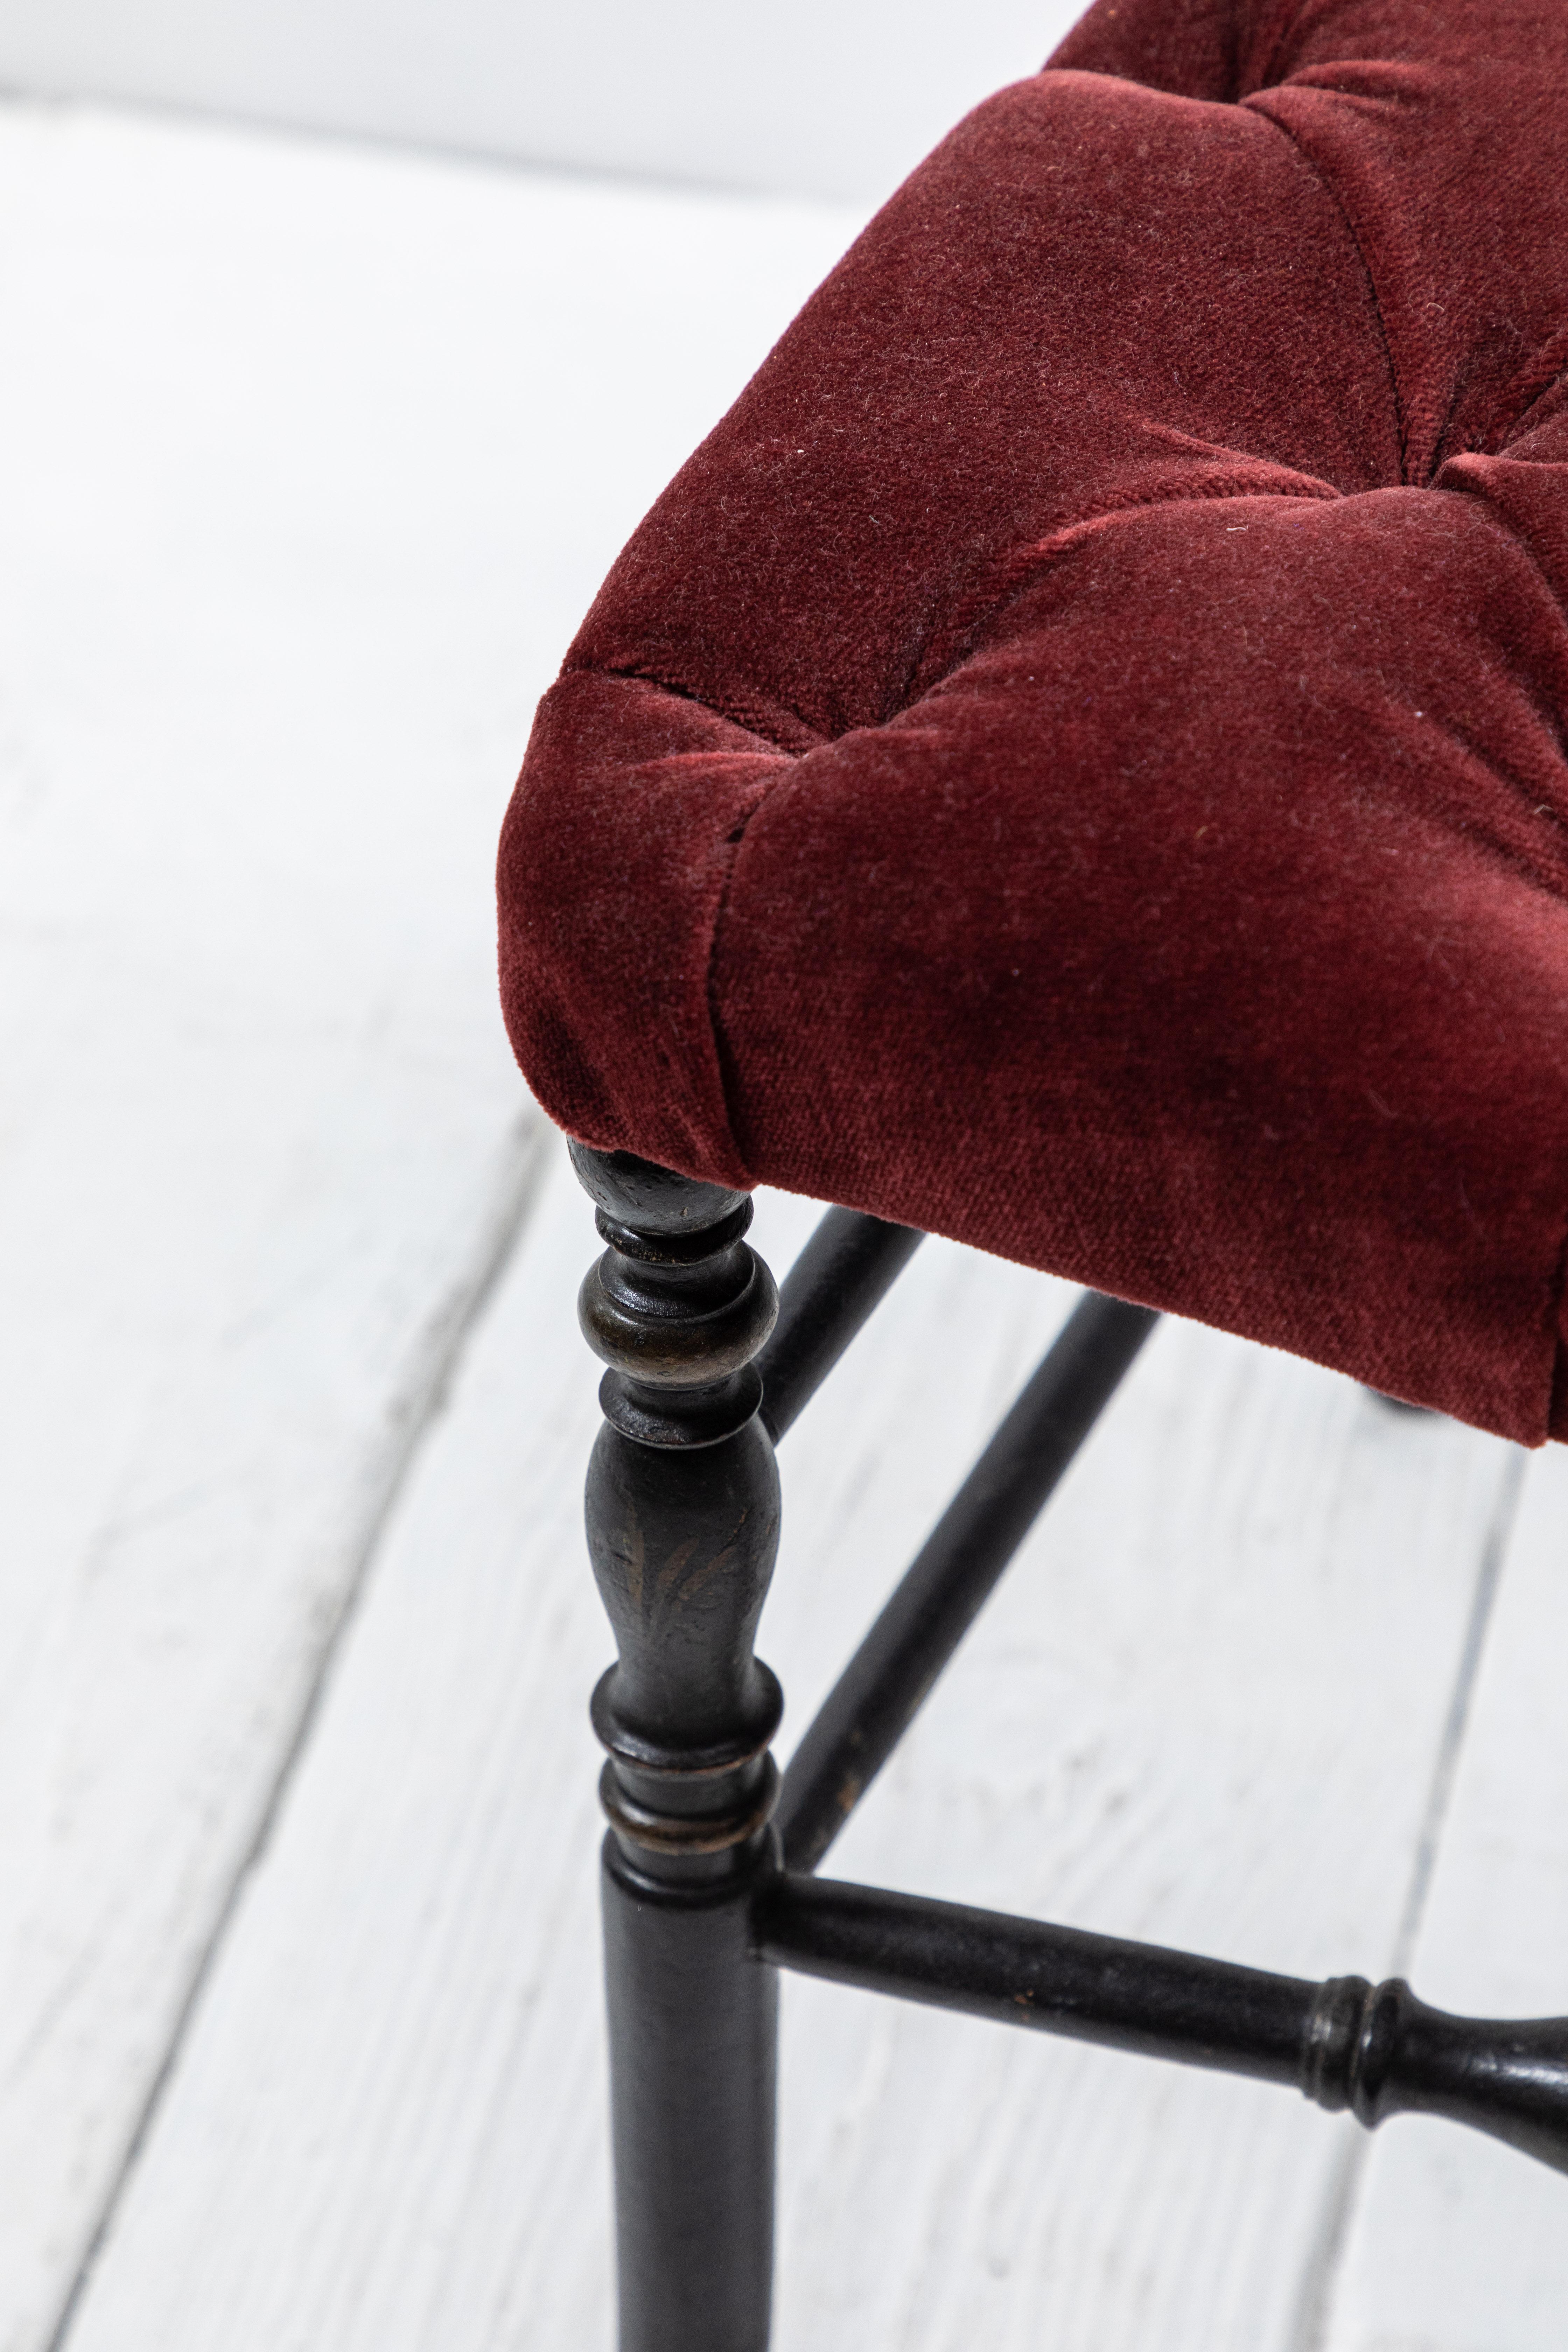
{"x": 683, "y": 1522}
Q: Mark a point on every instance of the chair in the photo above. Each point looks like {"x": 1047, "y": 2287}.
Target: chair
{"x": 1076, "y": 762}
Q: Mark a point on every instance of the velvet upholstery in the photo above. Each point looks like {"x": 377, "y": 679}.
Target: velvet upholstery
{"x": 1076, "y": 761}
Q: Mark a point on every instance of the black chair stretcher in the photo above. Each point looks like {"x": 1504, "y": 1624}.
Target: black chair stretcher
{"x": 708, "y": 1865}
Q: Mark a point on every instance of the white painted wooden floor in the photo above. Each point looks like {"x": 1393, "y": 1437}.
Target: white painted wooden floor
{"x": 310, "y": 458}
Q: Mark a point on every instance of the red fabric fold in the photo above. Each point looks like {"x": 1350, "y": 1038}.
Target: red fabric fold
{"x": 1077, "y": 760}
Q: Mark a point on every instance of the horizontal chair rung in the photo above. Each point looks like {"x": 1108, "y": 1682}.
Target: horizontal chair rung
{"x": 1345, "y": 2043}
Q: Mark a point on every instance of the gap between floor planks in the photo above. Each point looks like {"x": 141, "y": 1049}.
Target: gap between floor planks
{"x": 1455, "y": 2244}
{"x": 1213, "y": 1704}
{"x": 311, "y": 459}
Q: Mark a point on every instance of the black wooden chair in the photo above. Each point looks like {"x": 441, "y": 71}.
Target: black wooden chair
{"x": 1076, "y": 761}
{"x": 709, "y": 1867}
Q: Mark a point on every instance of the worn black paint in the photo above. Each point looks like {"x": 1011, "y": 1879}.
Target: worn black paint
{"x": 683, "y": 1522}
{"x": 1346, "y": 2043}
{"x": 693, "y": 2032}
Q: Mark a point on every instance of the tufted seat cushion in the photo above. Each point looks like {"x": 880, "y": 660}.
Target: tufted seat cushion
{"x": 1076, "y": 762}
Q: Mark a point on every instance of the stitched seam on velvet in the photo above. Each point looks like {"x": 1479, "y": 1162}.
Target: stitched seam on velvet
{"x": 722, "y": 1057}
{"x": 762, "y": 724}
{"x": 1534, "y": 382}
{"x": 1025, "y": 564}
{"x": 1550, "y": 716}
{"x": 1331, "y": 190}
{"x": 1530, "y": 384}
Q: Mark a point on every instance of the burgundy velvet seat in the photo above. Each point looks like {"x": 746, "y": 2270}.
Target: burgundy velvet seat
{"x": 1076, "y": 762}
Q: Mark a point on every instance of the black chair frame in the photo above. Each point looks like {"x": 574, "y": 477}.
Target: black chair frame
{"x": 707, "y": 1867}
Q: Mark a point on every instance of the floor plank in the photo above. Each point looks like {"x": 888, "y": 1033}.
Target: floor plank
{"x": 1458, "y": 2245}
{"x": 309, "y": 460}
{"x": 1207, "y": 1706}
